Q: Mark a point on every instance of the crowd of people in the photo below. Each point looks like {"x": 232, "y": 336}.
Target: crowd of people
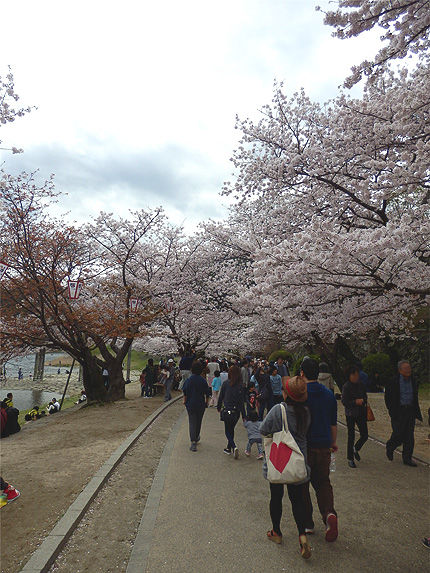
{"x": 258, "y": 391}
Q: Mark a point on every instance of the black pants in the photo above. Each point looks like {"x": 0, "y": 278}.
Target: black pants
{"x": 403, "y": 425}
{"x": 195, "y": 418}
{"x": 296, "y": 493}
{"x": 362, "y": 428}
{"x": 229, "y": 426}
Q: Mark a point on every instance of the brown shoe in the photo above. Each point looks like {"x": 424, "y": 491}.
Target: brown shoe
{"x": 274, "y": 537}
{"x": 305, "y": 548}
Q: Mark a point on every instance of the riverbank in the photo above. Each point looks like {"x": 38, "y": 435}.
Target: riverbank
{"x": 53, "y": 382}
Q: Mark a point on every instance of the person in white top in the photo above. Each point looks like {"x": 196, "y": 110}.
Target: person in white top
{"x": 212, "y": 366}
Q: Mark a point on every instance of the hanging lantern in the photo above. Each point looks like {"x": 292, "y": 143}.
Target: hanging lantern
{"x": 3, "y": 269}
{"x": 134, "y": 304}
{"x": 75, "y": 288}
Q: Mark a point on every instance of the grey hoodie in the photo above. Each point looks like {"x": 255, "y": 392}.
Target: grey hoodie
{"x": 273, "y": 423}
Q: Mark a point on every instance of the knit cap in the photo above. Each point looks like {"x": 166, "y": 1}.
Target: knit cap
{"x": 296, "y": 389}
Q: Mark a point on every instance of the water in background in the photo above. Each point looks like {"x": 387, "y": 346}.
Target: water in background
{"x": 27, "y": 365}
{"x": 26, "y": 399}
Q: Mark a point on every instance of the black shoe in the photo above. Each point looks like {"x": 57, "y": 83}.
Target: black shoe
{"x": 390, "y": 454}
{"x": 356, "y": 455}
{"x": 227, "y": 451}
{"x": 410, "y": 463}
{"x": 351, "y": 464}
{"x": 193, "y": 447}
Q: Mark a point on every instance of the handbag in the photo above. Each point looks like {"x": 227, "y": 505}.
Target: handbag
{"x": 370, "y": 415}
{"x": 285, "y": 461}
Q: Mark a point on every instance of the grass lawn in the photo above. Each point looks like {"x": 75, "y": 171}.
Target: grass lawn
{"x": 68, "y": 403}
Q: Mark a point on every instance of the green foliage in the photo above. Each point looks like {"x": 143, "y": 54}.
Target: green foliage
{"x": 299, "y": 360}
{"x": 379, "y": 364}
{"x": 279, "y": 354}
{"x": 68, "y": 403}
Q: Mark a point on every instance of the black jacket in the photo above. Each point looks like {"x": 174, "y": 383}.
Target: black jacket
{"x": 232, "y": 398}
{"x": 352, "y": 391}
{"x": 392, "y": 397}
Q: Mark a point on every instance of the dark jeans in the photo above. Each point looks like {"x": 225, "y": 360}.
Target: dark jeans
{"x": 262, "y": 405}
{"x": 297, "y": 495}
{"x": 229, "y": 432}
{"x": 148, "y": 389}
{"x": 362, "y": 428}
{"x": 168, "y": 387}
{"x": 319, "y": 462}
{"x": 403, "y": 425}
{"x": 195, "y": 418}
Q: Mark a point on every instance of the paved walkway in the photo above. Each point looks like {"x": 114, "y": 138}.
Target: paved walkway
{"x": 208, "y": 513}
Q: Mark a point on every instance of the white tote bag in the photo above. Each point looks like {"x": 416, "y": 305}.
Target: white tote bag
{"x": 285, "y": 461}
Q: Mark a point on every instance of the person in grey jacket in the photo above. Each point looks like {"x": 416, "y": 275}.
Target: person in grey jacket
{"x": 298, "y": 419}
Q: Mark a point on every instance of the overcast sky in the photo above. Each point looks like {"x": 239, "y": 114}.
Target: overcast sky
{"x": 137, "y": 99}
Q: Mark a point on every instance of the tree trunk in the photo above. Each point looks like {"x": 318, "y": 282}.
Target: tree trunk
{"x": 92, "y": 379}
{"x": 116, "y": 381}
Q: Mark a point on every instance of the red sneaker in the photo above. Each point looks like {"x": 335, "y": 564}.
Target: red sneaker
{"x": 331, "y": 530}
{"x": 11, "y": 493}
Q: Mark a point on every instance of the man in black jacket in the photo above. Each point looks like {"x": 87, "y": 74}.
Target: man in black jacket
{"x": 401, "y": 399}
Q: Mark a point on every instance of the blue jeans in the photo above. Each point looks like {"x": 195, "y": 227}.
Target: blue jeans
{"x": 168, "y": 386}
{"x": 257, "y": 441}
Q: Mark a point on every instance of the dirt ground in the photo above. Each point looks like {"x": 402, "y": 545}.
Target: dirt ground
{"x": 103, "y": 541}
{"x": 51, "y": 460}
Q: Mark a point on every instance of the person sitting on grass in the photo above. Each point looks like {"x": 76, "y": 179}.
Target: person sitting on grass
{"x": 33, "y": 414}
{"x": 9, "y": 400}
{"x": 82, "y": 397}
{"x": 53, "y": 406}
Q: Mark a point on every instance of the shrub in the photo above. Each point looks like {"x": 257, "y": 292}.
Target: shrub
{"x": 279, "y": 354}
{"x": 296, "y": 366}
{"x": 378, "y": 364}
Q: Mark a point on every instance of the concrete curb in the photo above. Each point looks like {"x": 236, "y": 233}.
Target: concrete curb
{"x": 143, "y": 541}
{"x": 43, "y": 558}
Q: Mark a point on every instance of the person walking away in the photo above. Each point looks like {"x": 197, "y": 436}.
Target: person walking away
{"x": 216, "y": 386}
{"x": 324, "y": 377}
{"x": 244, "y": 373}
{"x": 196, "y": 397}
{"x": 169, "y": 379}
{"x": 231, "y": 403}
{"x": 265, "y": 395}
{"x": 276, "y": 383}
{"x": 150, "y": 373}
{"x": 354, "y": 398}
{"x": 401, "y": 399}
{"x": 223, "y": 372}
{"x": 298, "y": 420}
{"x": 185, "y": 365}
{"x": 212, "y": 366}
{"x": 252, "y": 425}
{"x": 321, "y": 439}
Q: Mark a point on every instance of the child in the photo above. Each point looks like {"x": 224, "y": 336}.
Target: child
{"x": 216, "y": 385}
{"x": 252, "y": 426}
{"x": 251, "y": 398}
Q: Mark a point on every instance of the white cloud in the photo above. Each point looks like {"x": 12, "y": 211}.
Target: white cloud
{"x": 140, "y": 78}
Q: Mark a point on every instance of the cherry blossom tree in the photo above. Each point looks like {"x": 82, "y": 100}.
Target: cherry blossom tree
{"x": 406, "y": 25}
{"x": 43, "y": 255}
{"x": 343, "y": 250}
